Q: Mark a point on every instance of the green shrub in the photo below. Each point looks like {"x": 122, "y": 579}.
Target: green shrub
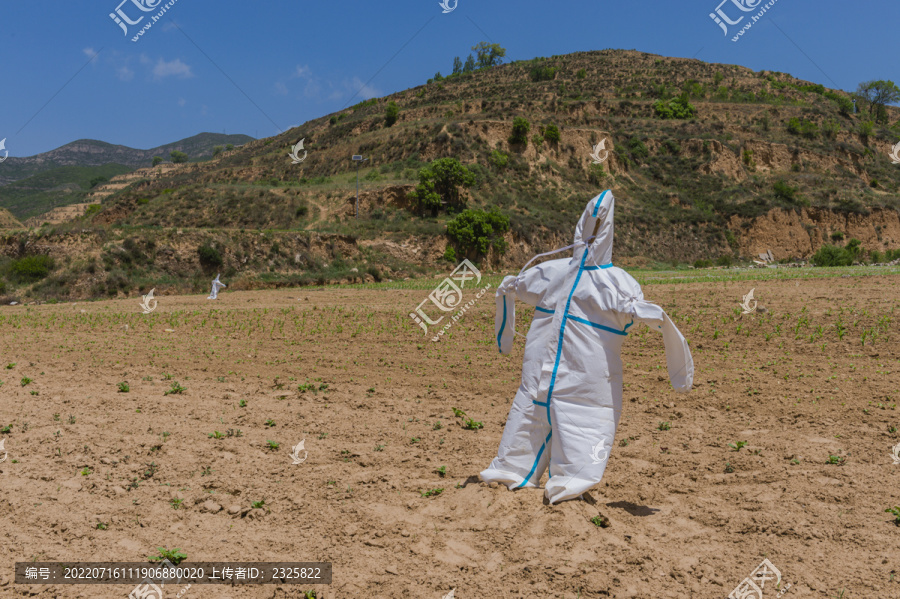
{"x": 837, "y": 236}
{"x": 844, "y": 104}
{"x": 178, "y": 157}
{"x": 637, "y": 148}
{"x": 731, "y": 239}
{"x": 596, "y": 174}
{"x": 676, "y": 108}
{"x": 476, "y": 231}
{"x": 793, "y": 126}
{"x": 809, "y": 129}
{"x": 672, "y": 147}
{"x": 785, "y": 192}
{"x": 748, "y": 159}
{"x": 832, "y": 255}
{"x": 29, "y": 269}
{"x": 865, "y": 130}
{"x": 543, "y": 73}
{"x": 520, "y": 130}
{"x": 551, "y": 133}
{"x": 364, "y": 104}
{"x": 499, "y": 159}
{"x": 725, "y": 260}
{"x": 581, "y": 74}
{"x": 439, "y": 185}
{"x": 450, "y": 254}
{"x": 209, "y": 256}
{"x": 391, "y": 113}
{"x": 703, "y": 263}
{"x": 874, "y": 256}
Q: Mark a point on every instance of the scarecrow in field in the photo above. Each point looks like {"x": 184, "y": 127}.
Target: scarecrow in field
{"x": 566, "y": 411}
{"x": 216, "y": 286}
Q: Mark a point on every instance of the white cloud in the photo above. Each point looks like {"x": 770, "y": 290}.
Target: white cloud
{"x": 182, "y": 101}
{"x": 281, "y": 88}
{"x": 365, "y": 91}
{"x": 124, "y": 73}
{"x": 90, "y": 53}
{"x": 173, "y": 68}
{"x": 302, "y": 71}
{"x": 356, "y": 88}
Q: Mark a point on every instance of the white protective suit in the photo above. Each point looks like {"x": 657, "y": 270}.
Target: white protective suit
{"x": 216, "y": 286}
{"x": 568, "y": 405}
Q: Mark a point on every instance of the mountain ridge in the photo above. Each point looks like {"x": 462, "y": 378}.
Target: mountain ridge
{"x": 93, "y": 152}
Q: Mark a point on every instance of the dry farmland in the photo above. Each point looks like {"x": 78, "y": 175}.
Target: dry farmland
{"x": 127, "y": 432}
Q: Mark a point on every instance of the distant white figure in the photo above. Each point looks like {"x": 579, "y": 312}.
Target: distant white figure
{"x": 216, "y": 285}
{"x": 149, "y": 303}
{"x": 295, "y": 452}
{"x": 2, "y": 443}
{"x": 895, "y": 454}
{"x": 745, "y": 304}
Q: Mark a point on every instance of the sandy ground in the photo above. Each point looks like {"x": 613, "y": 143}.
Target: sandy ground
{"x": 690, "y": 516}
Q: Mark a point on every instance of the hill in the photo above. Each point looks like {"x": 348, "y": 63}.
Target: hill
{"x": 8, "y": 221}
{"x": 60, "y": 186}
{"x": 709, "y": 162}
{"x": 757, "y": 141}
{"x": 90, "y": 152}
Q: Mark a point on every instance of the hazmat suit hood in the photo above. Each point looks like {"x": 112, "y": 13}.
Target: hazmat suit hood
{"x": 597, "y": 216}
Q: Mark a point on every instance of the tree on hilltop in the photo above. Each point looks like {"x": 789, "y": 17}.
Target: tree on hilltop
{"x": 876, "y": 95}
{"x": 489, "y": 55}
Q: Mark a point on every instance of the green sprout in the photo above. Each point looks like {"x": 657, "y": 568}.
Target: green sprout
{"x": 176, "y": 556}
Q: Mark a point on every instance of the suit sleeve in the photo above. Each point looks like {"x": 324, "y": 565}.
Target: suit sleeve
{"x": 679, "y": 361}
{"x": 505, "y": 318}
{"x": 527, "y": 288}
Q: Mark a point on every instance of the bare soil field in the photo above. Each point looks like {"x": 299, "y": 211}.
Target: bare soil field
{"x": 99, "y": 471}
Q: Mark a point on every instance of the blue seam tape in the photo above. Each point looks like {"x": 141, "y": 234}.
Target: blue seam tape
{"x": 598, "y": 326}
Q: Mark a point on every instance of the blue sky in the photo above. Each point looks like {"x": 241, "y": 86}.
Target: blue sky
{"x": 294, "y": 60}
